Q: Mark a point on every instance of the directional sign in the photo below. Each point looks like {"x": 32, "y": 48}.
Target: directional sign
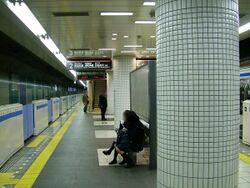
{"x": 89, "y": 65}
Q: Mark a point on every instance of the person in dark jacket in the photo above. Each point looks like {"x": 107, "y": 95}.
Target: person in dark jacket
{"x": 103, "y": 106}
{"x": 130, "y": 141}
{"x": 85, "y": 100}
{"x": 121, "y": 142}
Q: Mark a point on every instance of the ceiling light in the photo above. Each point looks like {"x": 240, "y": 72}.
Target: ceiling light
{"x": 22, "y": 11}
{"x": 73, "y": 72}
{"x": 126, "y": 36}
{"x": 106, "y": 49}
{"x": 151, "y": 49}
{"x": 117, "y": 13}
{"x": 83, "y": 84}
{"x": 149, "y": 3}
{"x": 127, "y": 52}
{"x": 132, "y": 46}
{"x": 244, "y": 28}
{"x": 144, "y": 22}
{"x": 152, "y": 36}
{"x": 114, "y": 38}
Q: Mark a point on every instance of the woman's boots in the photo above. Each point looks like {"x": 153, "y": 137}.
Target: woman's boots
{"x": 127, "y": 160}
{"x": 114, "y": 161}
{"x": 108, "y": 152}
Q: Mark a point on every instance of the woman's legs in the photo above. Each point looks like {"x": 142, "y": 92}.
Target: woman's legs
{"x": 108, "y": 152}
{"x": 126, "y": 158}
{"x": 114, "y": 161}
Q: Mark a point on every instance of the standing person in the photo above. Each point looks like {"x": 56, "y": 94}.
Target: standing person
{"x": 85, "y": 100}
{"x": 103, "y": 106}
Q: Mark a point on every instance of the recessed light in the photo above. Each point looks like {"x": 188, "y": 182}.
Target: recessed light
{"x": 127, "y": 52}
{"x": 152, "y": 36}
{"x": 244, "y": 28}
{"x": 106, "y": 49}
{"x": 144, "y": 22}
{"x": 125, "y": 36}
{"x": 114, "y": 38}
{"x": 132, "y": 46}
{"x": 117, "y": 13}
{"x": 149, "y": 3}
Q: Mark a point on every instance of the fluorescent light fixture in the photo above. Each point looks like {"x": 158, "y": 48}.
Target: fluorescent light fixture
{"x": 22, "y": 11}
{"x": 83, "y": 84}
{"x": 244, "y": 28}
{"x": 127, "y": 52}
{"x": 73, "y": 72}
{"x": 117, "y": 13}
{"x": 125, "y": 36}
{"x": 132, "y": 46}
{"x": 114, "y": 38}
{"x": 152, "y": 36}
{"x": 151, "y": 49}
{"x": 107, "y": 49}
{"x": 149, "y": 3}
{"x": 144, "y": 22}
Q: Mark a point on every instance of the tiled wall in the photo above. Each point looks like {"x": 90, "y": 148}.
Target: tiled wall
{"x": 197, "y": 93}
{"x": 110, "y": 93}
{"x": 122, "y": 66}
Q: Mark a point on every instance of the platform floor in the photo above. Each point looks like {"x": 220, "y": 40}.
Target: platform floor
{"x": 77, "y": 160}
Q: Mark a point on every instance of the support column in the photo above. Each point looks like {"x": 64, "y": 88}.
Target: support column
{"x": 197, "y": 93}
{"x": 90, "y": 85}
{"x": 122, "y": 66}
{"x": 110, "y": 92}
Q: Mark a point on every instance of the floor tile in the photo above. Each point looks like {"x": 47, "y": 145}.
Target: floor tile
{"x": 105, "y": 134}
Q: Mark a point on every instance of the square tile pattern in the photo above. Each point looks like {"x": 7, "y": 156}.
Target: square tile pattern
{"x": 142, "y": 158}
{"x": 197, "y": 93}
{"x": 105, "y": 134}
{"x": 122, "y": 66}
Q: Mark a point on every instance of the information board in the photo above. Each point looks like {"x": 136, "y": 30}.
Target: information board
{"x": 89, "y": 65}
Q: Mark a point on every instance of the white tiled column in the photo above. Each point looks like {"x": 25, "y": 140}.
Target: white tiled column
{"x": 197, "y": 93}
{"x": 110, "y": 93}
{"x": 122, "y": 66}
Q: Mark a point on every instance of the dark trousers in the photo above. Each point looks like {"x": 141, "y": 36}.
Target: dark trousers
{"x": 103, "y": 111}
{"x": 85, "y": 107}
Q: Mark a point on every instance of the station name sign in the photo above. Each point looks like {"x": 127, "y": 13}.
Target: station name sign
{"x": 89, "y": 65}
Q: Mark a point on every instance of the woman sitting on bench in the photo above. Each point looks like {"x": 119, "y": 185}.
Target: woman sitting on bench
{"x": 130, "y": 138}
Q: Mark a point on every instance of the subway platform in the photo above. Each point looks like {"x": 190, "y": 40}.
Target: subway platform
{"x": 68, "y": 154}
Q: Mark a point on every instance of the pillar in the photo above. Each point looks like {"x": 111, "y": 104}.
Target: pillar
{"x": 110, "y": 92}
{"x": 90, "y": 86}
{"x": 197, "y": 93}
{"x": 122, "y": 66}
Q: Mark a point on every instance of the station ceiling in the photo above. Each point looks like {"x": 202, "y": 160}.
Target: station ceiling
{"x": 92, "y": 31}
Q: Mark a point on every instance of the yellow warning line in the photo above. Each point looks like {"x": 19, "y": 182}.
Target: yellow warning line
{"x": 37, "y": 141}
{"x": 245, "y": 158}
{"x": 5, "y": 179}
{"x": 35, "y": 169}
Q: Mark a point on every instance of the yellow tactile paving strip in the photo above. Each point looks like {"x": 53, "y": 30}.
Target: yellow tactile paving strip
{"x": 6, "y": 179}
{"x": 245, "y": 158}
{"x": 35, "y": 169}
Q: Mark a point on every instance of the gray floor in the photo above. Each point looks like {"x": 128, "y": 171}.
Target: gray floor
{"x": 74, "y": 164}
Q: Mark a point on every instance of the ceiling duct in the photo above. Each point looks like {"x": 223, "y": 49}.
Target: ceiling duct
{"x": 70, "y": 14}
